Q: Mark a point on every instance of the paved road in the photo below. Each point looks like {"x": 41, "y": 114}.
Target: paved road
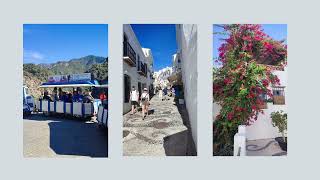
{"x": 264, "y": 147}
{"x": 58, "y": 137}
{"x": 161, "y": 133}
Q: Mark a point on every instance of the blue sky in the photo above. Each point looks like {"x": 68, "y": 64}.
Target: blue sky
{"x": 48, "y": 43}
{"x": 276, "y": 31}
{"x": 161, "y": 39}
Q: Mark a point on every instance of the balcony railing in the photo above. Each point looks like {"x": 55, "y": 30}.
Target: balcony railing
{"x": 142, "y": 68}
{"x": 145, "y": 70}
{"x": 129, "y": 55}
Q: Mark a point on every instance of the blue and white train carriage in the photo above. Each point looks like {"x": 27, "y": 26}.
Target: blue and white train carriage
{"x": 77, "y": 109}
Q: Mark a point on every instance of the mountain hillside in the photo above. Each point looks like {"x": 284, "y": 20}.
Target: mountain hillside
{"x": 99, "y": 72}
{"x": 74, "y": 65}
{"x": 34, "y": 75}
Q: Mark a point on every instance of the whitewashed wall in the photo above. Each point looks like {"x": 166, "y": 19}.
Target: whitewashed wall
{"x": 176, "y": 66}
{"x": 187, "y": 47}
{"x": 262, "y": 128}
{"x": 149, "y": 59}
{"x": 132, "y": 71}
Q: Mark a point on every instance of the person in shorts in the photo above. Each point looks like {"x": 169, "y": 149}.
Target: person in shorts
{"x": 134, "y": 98}
{"x": 145, "y": 98}
{"x": 161, "y": 94}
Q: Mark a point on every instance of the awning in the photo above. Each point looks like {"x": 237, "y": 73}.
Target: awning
{"x": 92, "y": 83}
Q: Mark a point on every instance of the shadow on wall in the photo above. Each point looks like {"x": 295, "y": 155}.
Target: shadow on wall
{"x": 78, "y": 138}
{"x": 181, "y": 144}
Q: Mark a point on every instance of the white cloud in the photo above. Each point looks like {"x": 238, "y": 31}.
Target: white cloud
{"x": 32, "y": 56}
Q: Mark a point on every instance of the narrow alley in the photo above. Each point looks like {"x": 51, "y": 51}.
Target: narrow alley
{"x": 161, "y": 133}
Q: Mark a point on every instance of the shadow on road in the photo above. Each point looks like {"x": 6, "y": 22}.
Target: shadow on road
{"x": 151, "y": 111}
{"x": 72, "y": 136}
{"x": 40, "y": 117}
{"x": 78, "y": 138}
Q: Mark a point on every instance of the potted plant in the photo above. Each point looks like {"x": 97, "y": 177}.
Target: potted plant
{"x": 279, "y": 119}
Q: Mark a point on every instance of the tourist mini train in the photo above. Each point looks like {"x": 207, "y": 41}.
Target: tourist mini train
{"x": 70, "y": 108}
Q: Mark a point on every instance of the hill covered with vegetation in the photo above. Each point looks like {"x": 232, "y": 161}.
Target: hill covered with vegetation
{"x": 35, "y": 74}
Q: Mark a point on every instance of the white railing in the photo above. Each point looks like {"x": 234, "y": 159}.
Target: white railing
{"x": 75, "y": 108}
{"x": 239, "y": 146}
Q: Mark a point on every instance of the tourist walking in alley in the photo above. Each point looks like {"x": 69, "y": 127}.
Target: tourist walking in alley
{"x": 145, "y": 101}
{"x": 165, "y": 130}
{"x": 165, "y": 92}
{"x": 134, "y": 98}
{"x": 160, "y": 94}
{"x": 173, "y": 92}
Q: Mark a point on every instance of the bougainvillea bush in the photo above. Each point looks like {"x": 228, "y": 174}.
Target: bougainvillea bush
{"x": 242, "y": 82}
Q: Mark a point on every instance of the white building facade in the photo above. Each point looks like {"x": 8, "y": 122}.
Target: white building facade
{"x": 262, "y": 128}
{"x": 137, "y": 66}
{"x": 176, "y": 63}
{"x": 186, "y": 61}
{"x": 161, "y": 77}
{"x": 149, "y": 60}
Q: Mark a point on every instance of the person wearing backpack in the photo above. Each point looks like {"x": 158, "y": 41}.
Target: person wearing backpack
{"x": 145, "y": 98}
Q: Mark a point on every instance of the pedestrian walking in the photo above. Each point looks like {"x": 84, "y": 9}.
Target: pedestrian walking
{"x": 173, "y": 92}
{"x": 165, "y": 92}
{"x": 160, "y": 94}
{"x": 145, "y": 98}
{"x": 134, "y": 98}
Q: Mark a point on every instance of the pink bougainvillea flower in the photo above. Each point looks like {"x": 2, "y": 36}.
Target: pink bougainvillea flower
{"x": 245, "y": 47}
{"x": 265, "y": 82}
{"x": 230, "y": 116}
{"x": 227, "y": 81}
{"x": 254, "y": 107}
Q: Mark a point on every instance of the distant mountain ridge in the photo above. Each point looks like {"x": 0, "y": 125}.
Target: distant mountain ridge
{"x": 35, "y": 74}
{"x": 76, "y": 65}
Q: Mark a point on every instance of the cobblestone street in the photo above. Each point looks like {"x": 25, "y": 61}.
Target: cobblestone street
{"x": 264, "y": 147}
{"x": 161, "y": 133}
{"x": 45, "y": 136}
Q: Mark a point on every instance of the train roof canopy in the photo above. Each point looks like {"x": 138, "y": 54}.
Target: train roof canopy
{"x": 88, "y": 83}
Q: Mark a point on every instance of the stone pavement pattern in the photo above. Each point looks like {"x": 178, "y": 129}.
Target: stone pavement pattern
{"x": 161, "y": 133}
{"x": 264, "y": 147}
{"x": 45, "y": 136}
